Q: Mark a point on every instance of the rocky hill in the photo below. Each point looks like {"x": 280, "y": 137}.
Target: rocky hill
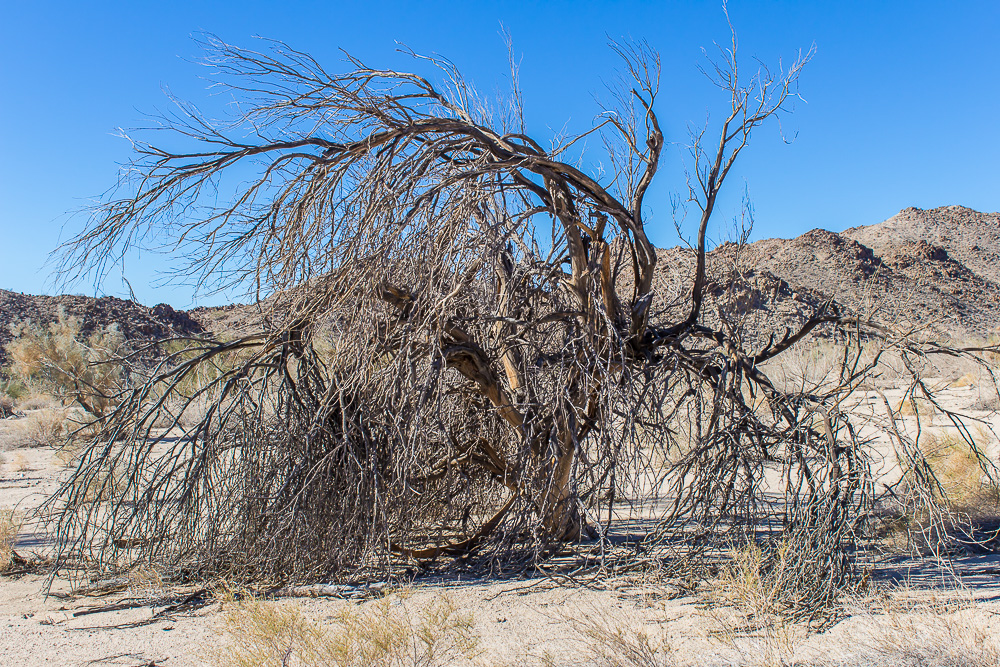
{"x": 134, "y": 321}
{"x": 938, "y": 269}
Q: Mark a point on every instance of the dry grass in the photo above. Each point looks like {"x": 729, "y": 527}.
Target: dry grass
{"x": 383, "y": 634}
{"x": 754, "y": 583}
{"x": 38, "y": 401}
{"x": 101, "y": 487}
{"x": 613, "y": 643}
{"x": 41, "y": 428}
{"x": 986, "y": 403}
{"x": 916, "y": 407}
{"x": 757, "y": 585}
{"x": 20, "y": 463}
{"x": 966, "y": 380}
{"x": 10, "y": 525}
{"x": 960, "y": 474}
{"x": 51, "y": 427}
{"x": 771, "y": 645}
{"x": 922, "y": 640}
{"x": 929, "y": 633}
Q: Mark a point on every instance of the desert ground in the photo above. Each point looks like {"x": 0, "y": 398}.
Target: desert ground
{"x": 913, "y": 611}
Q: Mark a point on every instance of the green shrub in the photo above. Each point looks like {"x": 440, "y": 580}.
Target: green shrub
{"x": 60, "y": 361}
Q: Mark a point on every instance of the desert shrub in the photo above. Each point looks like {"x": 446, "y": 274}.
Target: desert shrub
{"x": 41, "y": 428}
{"x": 60, "y": 361}
{"x": 963, "y": 476}
{"x": 613, "y": 643}
{"x": 259, "y": 633}
{"x": 46, "y": 428}
{"x": 9, "y": 526}
{"x": 11, "y": 389}
{"x": 502, "y": 353}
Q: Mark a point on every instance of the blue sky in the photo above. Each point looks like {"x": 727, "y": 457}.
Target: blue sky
{"x": 902, "y": 99}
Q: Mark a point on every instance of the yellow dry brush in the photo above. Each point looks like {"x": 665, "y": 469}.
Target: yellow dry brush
{"x": 381, "y": 633}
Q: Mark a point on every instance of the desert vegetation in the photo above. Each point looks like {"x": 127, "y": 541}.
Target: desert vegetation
{"x": 470, "y": 361}
{"x": 386, "y": 633}
{"x": 467, "y": 359}
{"x": 60, "y": 362}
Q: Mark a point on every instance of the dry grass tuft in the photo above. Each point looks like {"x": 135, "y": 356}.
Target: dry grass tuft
{"x": 10, "y": 525}
{"x": 615, "y": 644}
{"x": 916, "y": 407}
{"x": 385, "y": 634}
{"x": 758, "y": 586}
{"x": 21, "y": 463}
{"x": 966, "y": 486}
{"x": 923, "y": 640}
{"x": 755, "y": 583}
{"x": 966, "y": 380}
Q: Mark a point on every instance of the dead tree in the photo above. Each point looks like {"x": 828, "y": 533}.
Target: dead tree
{"x": 465, "y": 350}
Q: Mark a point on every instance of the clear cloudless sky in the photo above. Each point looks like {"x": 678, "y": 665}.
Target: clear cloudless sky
{"x": 901, "y": 100}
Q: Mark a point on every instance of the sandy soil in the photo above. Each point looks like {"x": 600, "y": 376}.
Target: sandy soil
{"x": 522, "y": 622}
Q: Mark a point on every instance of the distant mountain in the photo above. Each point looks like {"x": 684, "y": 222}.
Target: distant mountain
{"x": 135, "y": 322}
{"x": 938, "y": 269}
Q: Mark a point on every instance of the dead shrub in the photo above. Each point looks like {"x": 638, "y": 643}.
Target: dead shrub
{"x": 385, "y": 634}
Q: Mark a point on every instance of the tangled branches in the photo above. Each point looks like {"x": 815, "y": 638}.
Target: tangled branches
{"x": 465, "y": 351}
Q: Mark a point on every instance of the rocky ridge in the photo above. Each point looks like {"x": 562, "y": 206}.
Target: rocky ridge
{"x": 936, "y": 269}
{"x": 135, "y": 322}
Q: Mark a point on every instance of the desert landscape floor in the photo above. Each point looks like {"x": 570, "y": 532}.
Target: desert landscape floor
{"x": 913, "y": 612}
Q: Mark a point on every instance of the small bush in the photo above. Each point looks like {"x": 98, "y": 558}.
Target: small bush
{"x": 262, "y": 633}
{"x": 754, "y": 582}
{"x": 6, "y": 406}
{"x": 959, "y": 471}
{"x": 42, "y": 428}
{"x": 46, "y": 428}
{"x": 612, "y": 644}
{"x": 10, "y": 525}
{"x": 12, "y": 388}
{"x": 59, "y": 361}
